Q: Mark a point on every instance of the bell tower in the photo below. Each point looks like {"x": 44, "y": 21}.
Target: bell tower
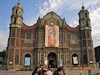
{"x": 14, "y": 40}
{"x": 86, "y": 38}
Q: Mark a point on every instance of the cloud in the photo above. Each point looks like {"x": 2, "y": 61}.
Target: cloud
{"x": 76, "y": 4}
{"x": 60, "y": 5}
{"x": 95, "y": 22}
{"x": 47, "y": 6}
{"x": 51, "y": 5}
{"x": 95, "y": 19}
{"x": 3, "y": 39}
{"x": 31, "y": 21}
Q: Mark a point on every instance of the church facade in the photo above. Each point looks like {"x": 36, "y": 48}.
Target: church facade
{"x": 49, "y": 42}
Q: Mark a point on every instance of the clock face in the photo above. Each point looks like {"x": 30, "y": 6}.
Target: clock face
{"x": 51, "y": 23}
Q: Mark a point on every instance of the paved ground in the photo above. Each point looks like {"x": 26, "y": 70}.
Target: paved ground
{"x": 68, "y": 72}
{"x": 15, "y": 72}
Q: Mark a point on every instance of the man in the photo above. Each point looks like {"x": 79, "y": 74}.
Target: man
{"x": 59, "y": 71}
{"x": 44, "y": 72}
{"x": 36, "y": 71}
{"x": 41, "y": 69}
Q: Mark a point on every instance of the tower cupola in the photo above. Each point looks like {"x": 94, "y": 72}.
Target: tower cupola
{"x": 84, "y": 19}
{"x": 17, "y": 15}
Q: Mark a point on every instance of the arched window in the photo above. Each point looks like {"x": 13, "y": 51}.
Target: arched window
{"x": 85, "y": 14}
{"x": 19, "y": 12}
{"x": 75, "y": 59}
{"x": 85, "y": 59}
{"x": 15, "y": 20}
{"x": 87, "y": 23}
{"x": 27, "y": 59}
{"x": 16, "y": 11}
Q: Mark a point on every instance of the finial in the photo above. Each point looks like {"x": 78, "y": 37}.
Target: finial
{"x": 18, "y": 2}
{"x": 83, "y": 6}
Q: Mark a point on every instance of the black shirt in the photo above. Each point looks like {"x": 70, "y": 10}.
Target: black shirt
{"x": 56, "y": 73}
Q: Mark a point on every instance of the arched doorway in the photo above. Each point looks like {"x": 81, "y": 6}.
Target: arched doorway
{"x": 27, "y": 60}
{"x": 75, "y": 59}
{"x": 52, "y": 60}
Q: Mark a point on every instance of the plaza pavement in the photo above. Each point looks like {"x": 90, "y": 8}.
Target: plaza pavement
{"x": 15, "y": 72}
{"x": 68, "y": 72}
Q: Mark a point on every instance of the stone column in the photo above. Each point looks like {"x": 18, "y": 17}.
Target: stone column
{"x": 58, "y": 57}
{"x": 64, "y": 57}
{"x": 38, "y": 58}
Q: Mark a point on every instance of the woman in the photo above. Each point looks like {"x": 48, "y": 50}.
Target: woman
{"x": 36, "y": 71}
{"x": 49, "y": 72}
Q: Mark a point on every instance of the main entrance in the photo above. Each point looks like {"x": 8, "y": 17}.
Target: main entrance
{"x": 52, "y": 60}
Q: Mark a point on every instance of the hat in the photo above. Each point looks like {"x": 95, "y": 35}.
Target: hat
{"x": 59, "y": 69}
{"x": 41, "y": 65}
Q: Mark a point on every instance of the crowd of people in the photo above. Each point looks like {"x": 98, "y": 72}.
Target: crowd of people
{"x": 41, "y": 71}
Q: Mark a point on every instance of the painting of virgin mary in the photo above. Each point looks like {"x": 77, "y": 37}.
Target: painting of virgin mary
{"x": 52, "y": 36}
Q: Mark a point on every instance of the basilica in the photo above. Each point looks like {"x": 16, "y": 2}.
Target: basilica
{"x": 50, "y": 41}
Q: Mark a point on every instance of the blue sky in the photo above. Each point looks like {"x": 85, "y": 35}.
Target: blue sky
{"x": 67, "y": 9}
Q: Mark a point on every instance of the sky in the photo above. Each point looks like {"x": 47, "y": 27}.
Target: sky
{"x": 67, "y": 9}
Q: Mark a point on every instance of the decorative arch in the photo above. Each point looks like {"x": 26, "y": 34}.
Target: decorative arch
{"x": 27, "y": 59}
{"x": 52, "y": 20}
{"x": 52, "y": 60}
{"x": 75, "y": 59}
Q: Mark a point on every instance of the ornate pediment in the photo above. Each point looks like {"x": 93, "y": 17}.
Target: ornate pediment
{"x": 51, "y": 18}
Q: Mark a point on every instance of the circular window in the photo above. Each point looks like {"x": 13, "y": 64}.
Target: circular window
{"x": 51, "y": 23}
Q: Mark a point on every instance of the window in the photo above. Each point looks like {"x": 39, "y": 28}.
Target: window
{"x": 84, "y": 43}
{"x": 89, "y": 43}
{"x": 19, "y": 12}
{"x": 83, "y": 34}
{"x": 85, "y": 59}
{"x": 28, "y": 35}
{"x": 16, "y": 59}
{"x": 16, "y": 11}
{"x": 85, "y": 14}
{"x": 87, "y": 24}
{"x": 88, "y": 34}
{"x": 75, "y": 59}
{"x": 28, "y": 38}
{"x": 27, "y": 59}
{"x": 73, "y": 38}
{"x": 15, "y": 20}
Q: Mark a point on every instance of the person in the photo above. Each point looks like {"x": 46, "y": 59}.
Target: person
{"x": 63, "y": 70}
{"x": 49, "y": 72}
{"x": 45, "y": 72}
{"x": 36, "y": 71}
{"x": 59, "y": 71}
{"x": 41, "y": 69}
